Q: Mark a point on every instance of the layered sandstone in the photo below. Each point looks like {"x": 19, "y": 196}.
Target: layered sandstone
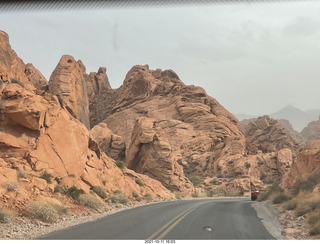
{"x": 306, "y": 164}
{"x": 96, "y": 83}
{"x": 67, "y": 82}
{"x": 269, "y": 135}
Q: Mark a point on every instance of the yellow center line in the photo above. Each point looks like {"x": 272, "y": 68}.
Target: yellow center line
{"x": 175, "y": 221}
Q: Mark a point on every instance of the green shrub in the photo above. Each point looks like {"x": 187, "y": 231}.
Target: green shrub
{"x": 195, "y": 179}
{"x": 12, "y": 185}
{"x": 247, "y": 165}
{"x": 147, "y": 197}
{"x": 90, "y": 201}
{"x": 214, "y": 181}
{"x": 5, "y": 216}
{"x": 73, "y": 192}
{"x": 46, "y": 176}
{"x": 61, "y": 189}
{"x": 17, "y": 82}
{"x": 43, "y": 211}
{"x": 120, "y": 164}
{"x": 280, "y": 198}
{"x": 139, "y": 182}
{"x": 119, "y": 197}
{"x": 100, "y": 191}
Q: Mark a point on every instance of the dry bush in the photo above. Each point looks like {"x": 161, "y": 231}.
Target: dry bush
{"x": 100, "y": 191}
{"x": 119, "y": 197}
{"x": 90, "y": 201}
{"x": 61, "y": 210}
{"x": 147, "y": 197}
{"x": 12, "y": 185}
{"x": 43, "y": 211}
{"x": 306, "y": 202}
{"x": 280, "y": 197}
{"x": 5, "y": 216}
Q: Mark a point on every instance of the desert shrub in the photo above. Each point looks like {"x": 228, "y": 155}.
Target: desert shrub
{"x": 100, "y": 191}
{"x": 61, "y": 210}
{"x": 46, "y": 176}
{"x": 5, "y": 216}
{"x": 306, "y": 185}
{"x": 179, "y": 161}
{"x": 247, "y": 165}
{"x": 147, "y": 197}
{"x": 314, "y": 218}
{"x": 307, "y": 207}
{"x": 195, "y": 179}
{"x": 178, "y": 195}
{"x": 210, "y": 192}
{"x": 73, "y": 192}
{"x": 21, "y": 174}
{"x": 315, "y": 230}
{"x": 290, "y": 205}
{"x": 214, "y": 181}
{"x": 139, "y": 182}
{"x": 272, "y": 190}
{"x": 230, "y": 162}
{"x": 90, "y": 201}
{"x": 120, "y": 164}
{"x": 12, "y": 185}
{"x": 61, "y": 189}
{"x": 195, "y": 194}
{"x": 17, "y": 82}
{"x": 119, "y": 197}
{"x": 280, "y": 197}
{"x": 136, "y": 196}
{"x": 43, "y": 211}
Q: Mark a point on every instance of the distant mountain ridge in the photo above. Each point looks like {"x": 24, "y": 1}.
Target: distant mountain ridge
{"x": 298, "y": 118}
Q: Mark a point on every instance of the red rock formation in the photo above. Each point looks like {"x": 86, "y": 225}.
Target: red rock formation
{"x": 35, "y": 77}
{"x": 110, "y": 143}
{"x": 269, "y": 135}
{"x": 67, "y": 82}
{"x": 306, "y": 164}
{"x": 150, "y": 153}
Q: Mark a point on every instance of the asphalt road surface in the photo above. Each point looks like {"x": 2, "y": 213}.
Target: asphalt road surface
{"x": 205, "y": 219}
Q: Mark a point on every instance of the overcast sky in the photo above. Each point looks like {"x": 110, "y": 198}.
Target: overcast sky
{"x": 253, "y": 58}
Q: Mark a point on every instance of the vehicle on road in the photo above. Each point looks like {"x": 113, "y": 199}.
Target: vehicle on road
{"x": 254, "y": 195}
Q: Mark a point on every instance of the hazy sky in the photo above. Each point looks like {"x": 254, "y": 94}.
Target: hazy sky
{"x": 253, "y": 58}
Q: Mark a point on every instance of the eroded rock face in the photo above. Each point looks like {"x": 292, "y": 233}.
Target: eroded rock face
{"x": 306, "y": 164}
{"x": 269, "y": 135}
{"x": 150, "y": 153}
{"x": 11, "y": 66}
{"x": 110, "y": 143}
{"x": 193, "y": 122}
{"x": 67, "y": 82}
{"x": 98, "y": 82}
{"x": 35, "y": 77}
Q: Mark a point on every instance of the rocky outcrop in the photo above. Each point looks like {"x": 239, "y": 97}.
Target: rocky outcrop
{"x": 67, "y": 82}
{"x": 150, "y": 153}
{"x": 312, "y": 131}
{"x": 11, "y": 66}
{"x": 96, "y": 83}
{"x": 38, "y": 135}
{"x": 110, "y": 143}
{"x": 306, "y": 164}
{"x": 35, "y": 77}
{"x": 269, "y": 135}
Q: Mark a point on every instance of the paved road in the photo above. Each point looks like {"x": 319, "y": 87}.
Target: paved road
{"x": 230, "y": 219}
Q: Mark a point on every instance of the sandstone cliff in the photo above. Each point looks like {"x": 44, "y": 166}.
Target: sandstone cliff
{"x": 67, "y": 82}
{"x": 306, "y": 164}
